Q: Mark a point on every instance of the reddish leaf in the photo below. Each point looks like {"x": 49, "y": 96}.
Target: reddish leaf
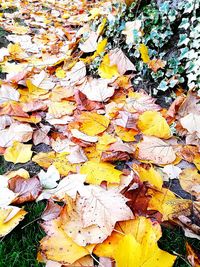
{"x": 51, "y": 212}
{"x": 27, "y": 189}
{"x": 85, "y": 104}
{"x": 114, "y": 156}
{"x": 13, "y": 109}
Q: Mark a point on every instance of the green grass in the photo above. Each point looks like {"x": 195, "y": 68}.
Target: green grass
{"x": 173, "y": 241}
{"x": 19, "y": 248}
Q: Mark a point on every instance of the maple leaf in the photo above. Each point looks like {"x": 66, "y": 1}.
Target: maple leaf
{"x": 85, "y": 104}
{"x": 149, "y": 174}
{"x": 8, "y": 92}
{"x": 156, "y": 64}
{"x": 49, "y": 179}
{"x": 107, "y": 70}
{"x": 91, "y": 222}
{"x": 69, "y": 185}
{"x": 191, "y": 123}
{"x": 117, "y": 57}
{"x": 141, "y": 102}
{"x": 51, "y": 212}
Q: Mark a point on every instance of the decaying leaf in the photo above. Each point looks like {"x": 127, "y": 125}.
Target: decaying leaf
{"x": 156, "y": 150}
{"x": 26, "y": 189}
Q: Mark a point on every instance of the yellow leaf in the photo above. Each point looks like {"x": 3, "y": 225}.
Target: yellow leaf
{"x": 10, "y": 218}
{"x": 107, "y": 71}
{"x": 127, "y": 135}
{"x": 104, "y": 141}
{"x": 93, "y": 123}
{"x": 144, "y": 53}
{"x": 128, "y": 252}
{"x": 149, "y": 174}
{"x": 197, "y": 161}
{"x": 21, "y": 172}
{"x": 18, "y": 153}
{"x": 167, "y": 204}
{"x": 97, "y": 172}
{"x": 190, "y": 181}
{"x": 101, "y": 46}
{"x": 60, "y": 247}
{"x": 59, "y": 109}
{"x": 134, "y": 243}
{"x": 44, "y": 160}
{"x": 63, "y": 165}
{"x": 60, "y": 73}
{"x": 34, "y": 90}
{"x": 152, "y": 123}
{"x": 92, "y": 153}
{"x": 101, "y": 26}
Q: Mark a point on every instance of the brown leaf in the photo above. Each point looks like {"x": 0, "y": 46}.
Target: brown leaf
{"x": 156, "y": 64}
{"x": 85, "y": 104}
{"x": 138, "y": 199}
{"x": 51, "y": 212}
{"x": 156, "y": 150}
{"x": 27, "y": 189}
{"x": 193, "y": 255}
{"x": 13, "y": 109}
{"x": 114, "y": 156}
{"x": 123, "y": 147}
{"x": 127, "y": 120}
{"x": 175, "y": 106}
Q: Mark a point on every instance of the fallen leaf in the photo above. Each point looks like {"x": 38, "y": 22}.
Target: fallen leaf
{"x": 27, "y": 189}
{"x": 18, "y": 153}
{"x": 59, "y": 246}
{"x": 51, "y": 212}
{"x": 190, "y": 181}
{"x": 190, "y": 123}
{"x": 93, "y": 123}
{"x": 117, "y": 57}
{"x": 98, "y": 172}
{"x": 107, "y": 70}
{"x": 147, "y": 173}
{"x": 156, "y": 64}
{"x": 90, "y": 220}
{"x": 156, "y": 150}
{"x": 49, "y": 179}
{"x": 192, "y": 255}
{"x": 9, "y": 218}
{"x": 21, "y": 132}
{"x": 152, "y": 123}
{"x": 135, "y": 241}
{"x": 141, "y": 102}
{"x": 103, "y": 91}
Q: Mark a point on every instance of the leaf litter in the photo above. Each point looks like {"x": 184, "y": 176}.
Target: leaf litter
{"x": 89, "y": 124}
